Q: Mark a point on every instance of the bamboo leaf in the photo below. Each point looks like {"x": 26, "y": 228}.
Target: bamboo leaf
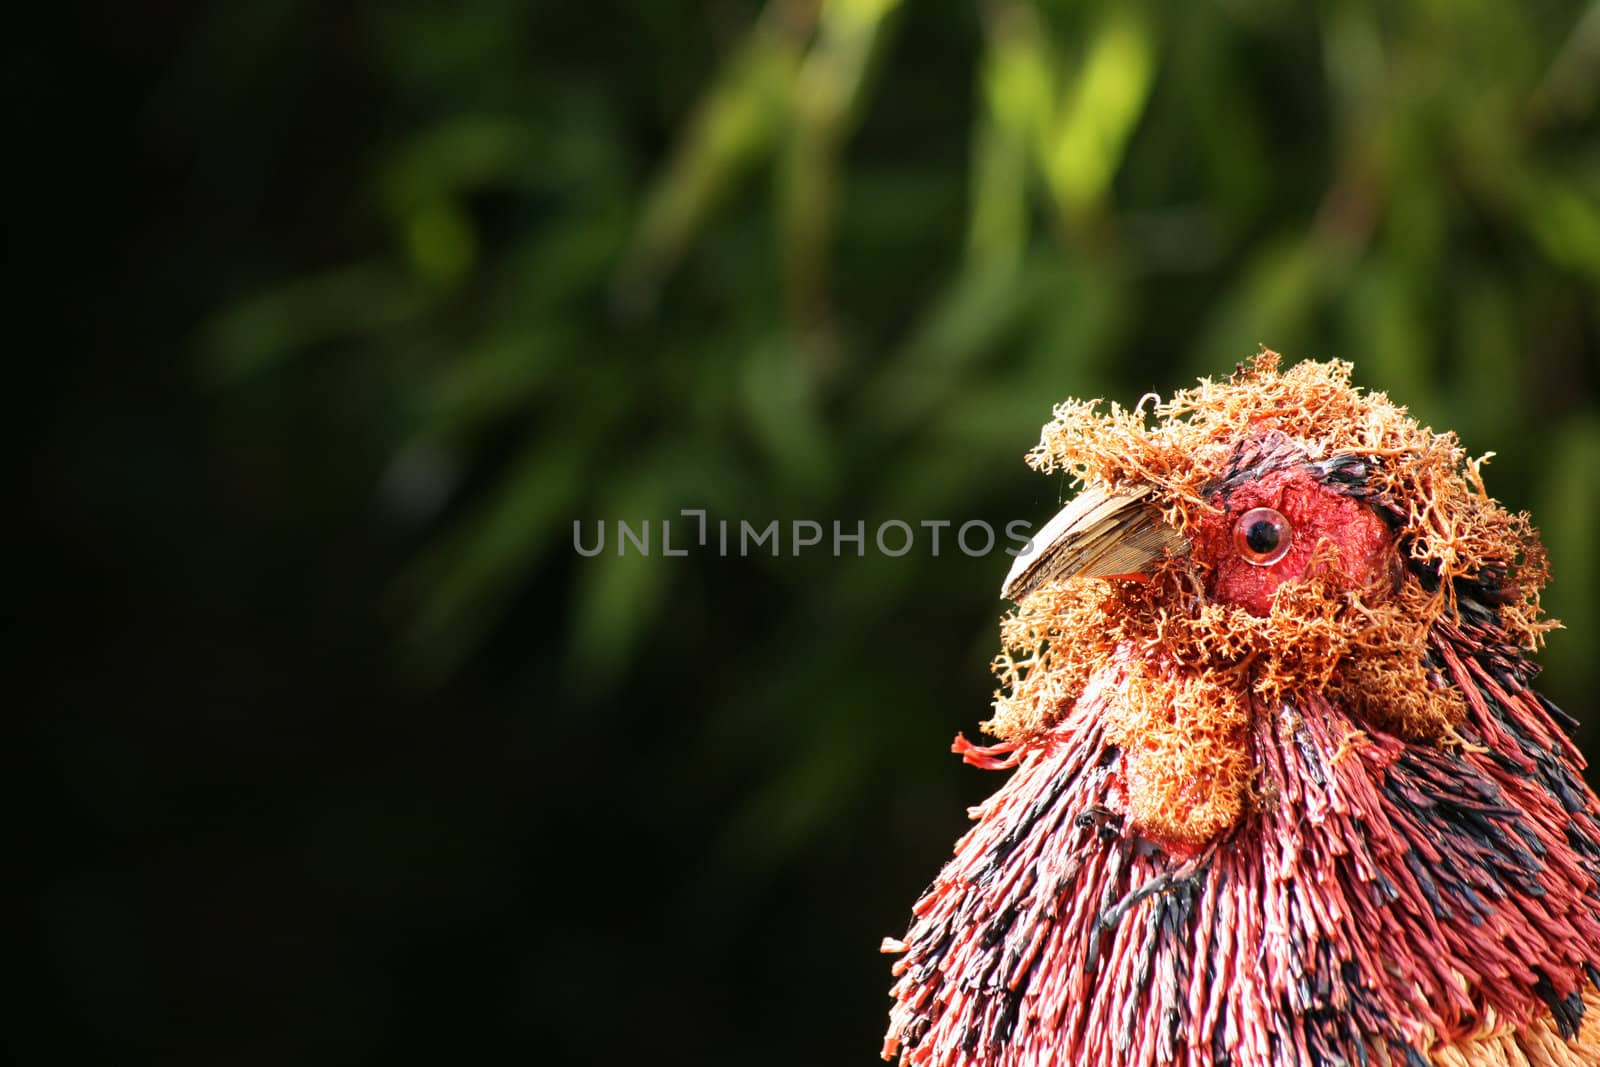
{"x": 1103, "y": 101}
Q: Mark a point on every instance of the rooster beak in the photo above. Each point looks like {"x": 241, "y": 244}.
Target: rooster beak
{"x": 1103, "y": 533}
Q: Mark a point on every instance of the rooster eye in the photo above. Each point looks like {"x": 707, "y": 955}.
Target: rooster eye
{"x": 1262, "y": 536}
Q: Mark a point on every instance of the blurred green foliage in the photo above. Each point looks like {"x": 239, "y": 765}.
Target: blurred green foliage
{"x": 885, "y": 237}
{"x": 835, "y": 259}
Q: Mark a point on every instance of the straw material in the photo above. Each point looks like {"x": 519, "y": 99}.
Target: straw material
{"x": 1294, "y": 815}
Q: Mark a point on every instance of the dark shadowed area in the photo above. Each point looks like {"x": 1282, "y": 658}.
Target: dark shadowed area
{"x": 342, "y": 753}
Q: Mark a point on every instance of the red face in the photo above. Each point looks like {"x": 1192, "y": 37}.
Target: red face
{"x": 1271, "y": 528}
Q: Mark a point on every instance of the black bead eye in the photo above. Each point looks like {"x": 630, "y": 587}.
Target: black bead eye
{"x": 1262, "y": 536}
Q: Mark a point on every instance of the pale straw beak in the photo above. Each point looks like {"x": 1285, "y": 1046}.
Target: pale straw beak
{"x": 1102, "y": 533}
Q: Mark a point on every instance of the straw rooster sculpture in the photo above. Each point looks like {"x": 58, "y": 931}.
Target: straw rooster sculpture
{"x": 1280, "y": 792}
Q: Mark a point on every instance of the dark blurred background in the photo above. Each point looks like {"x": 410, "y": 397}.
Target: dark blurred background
{"x": 340, "y": 753}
